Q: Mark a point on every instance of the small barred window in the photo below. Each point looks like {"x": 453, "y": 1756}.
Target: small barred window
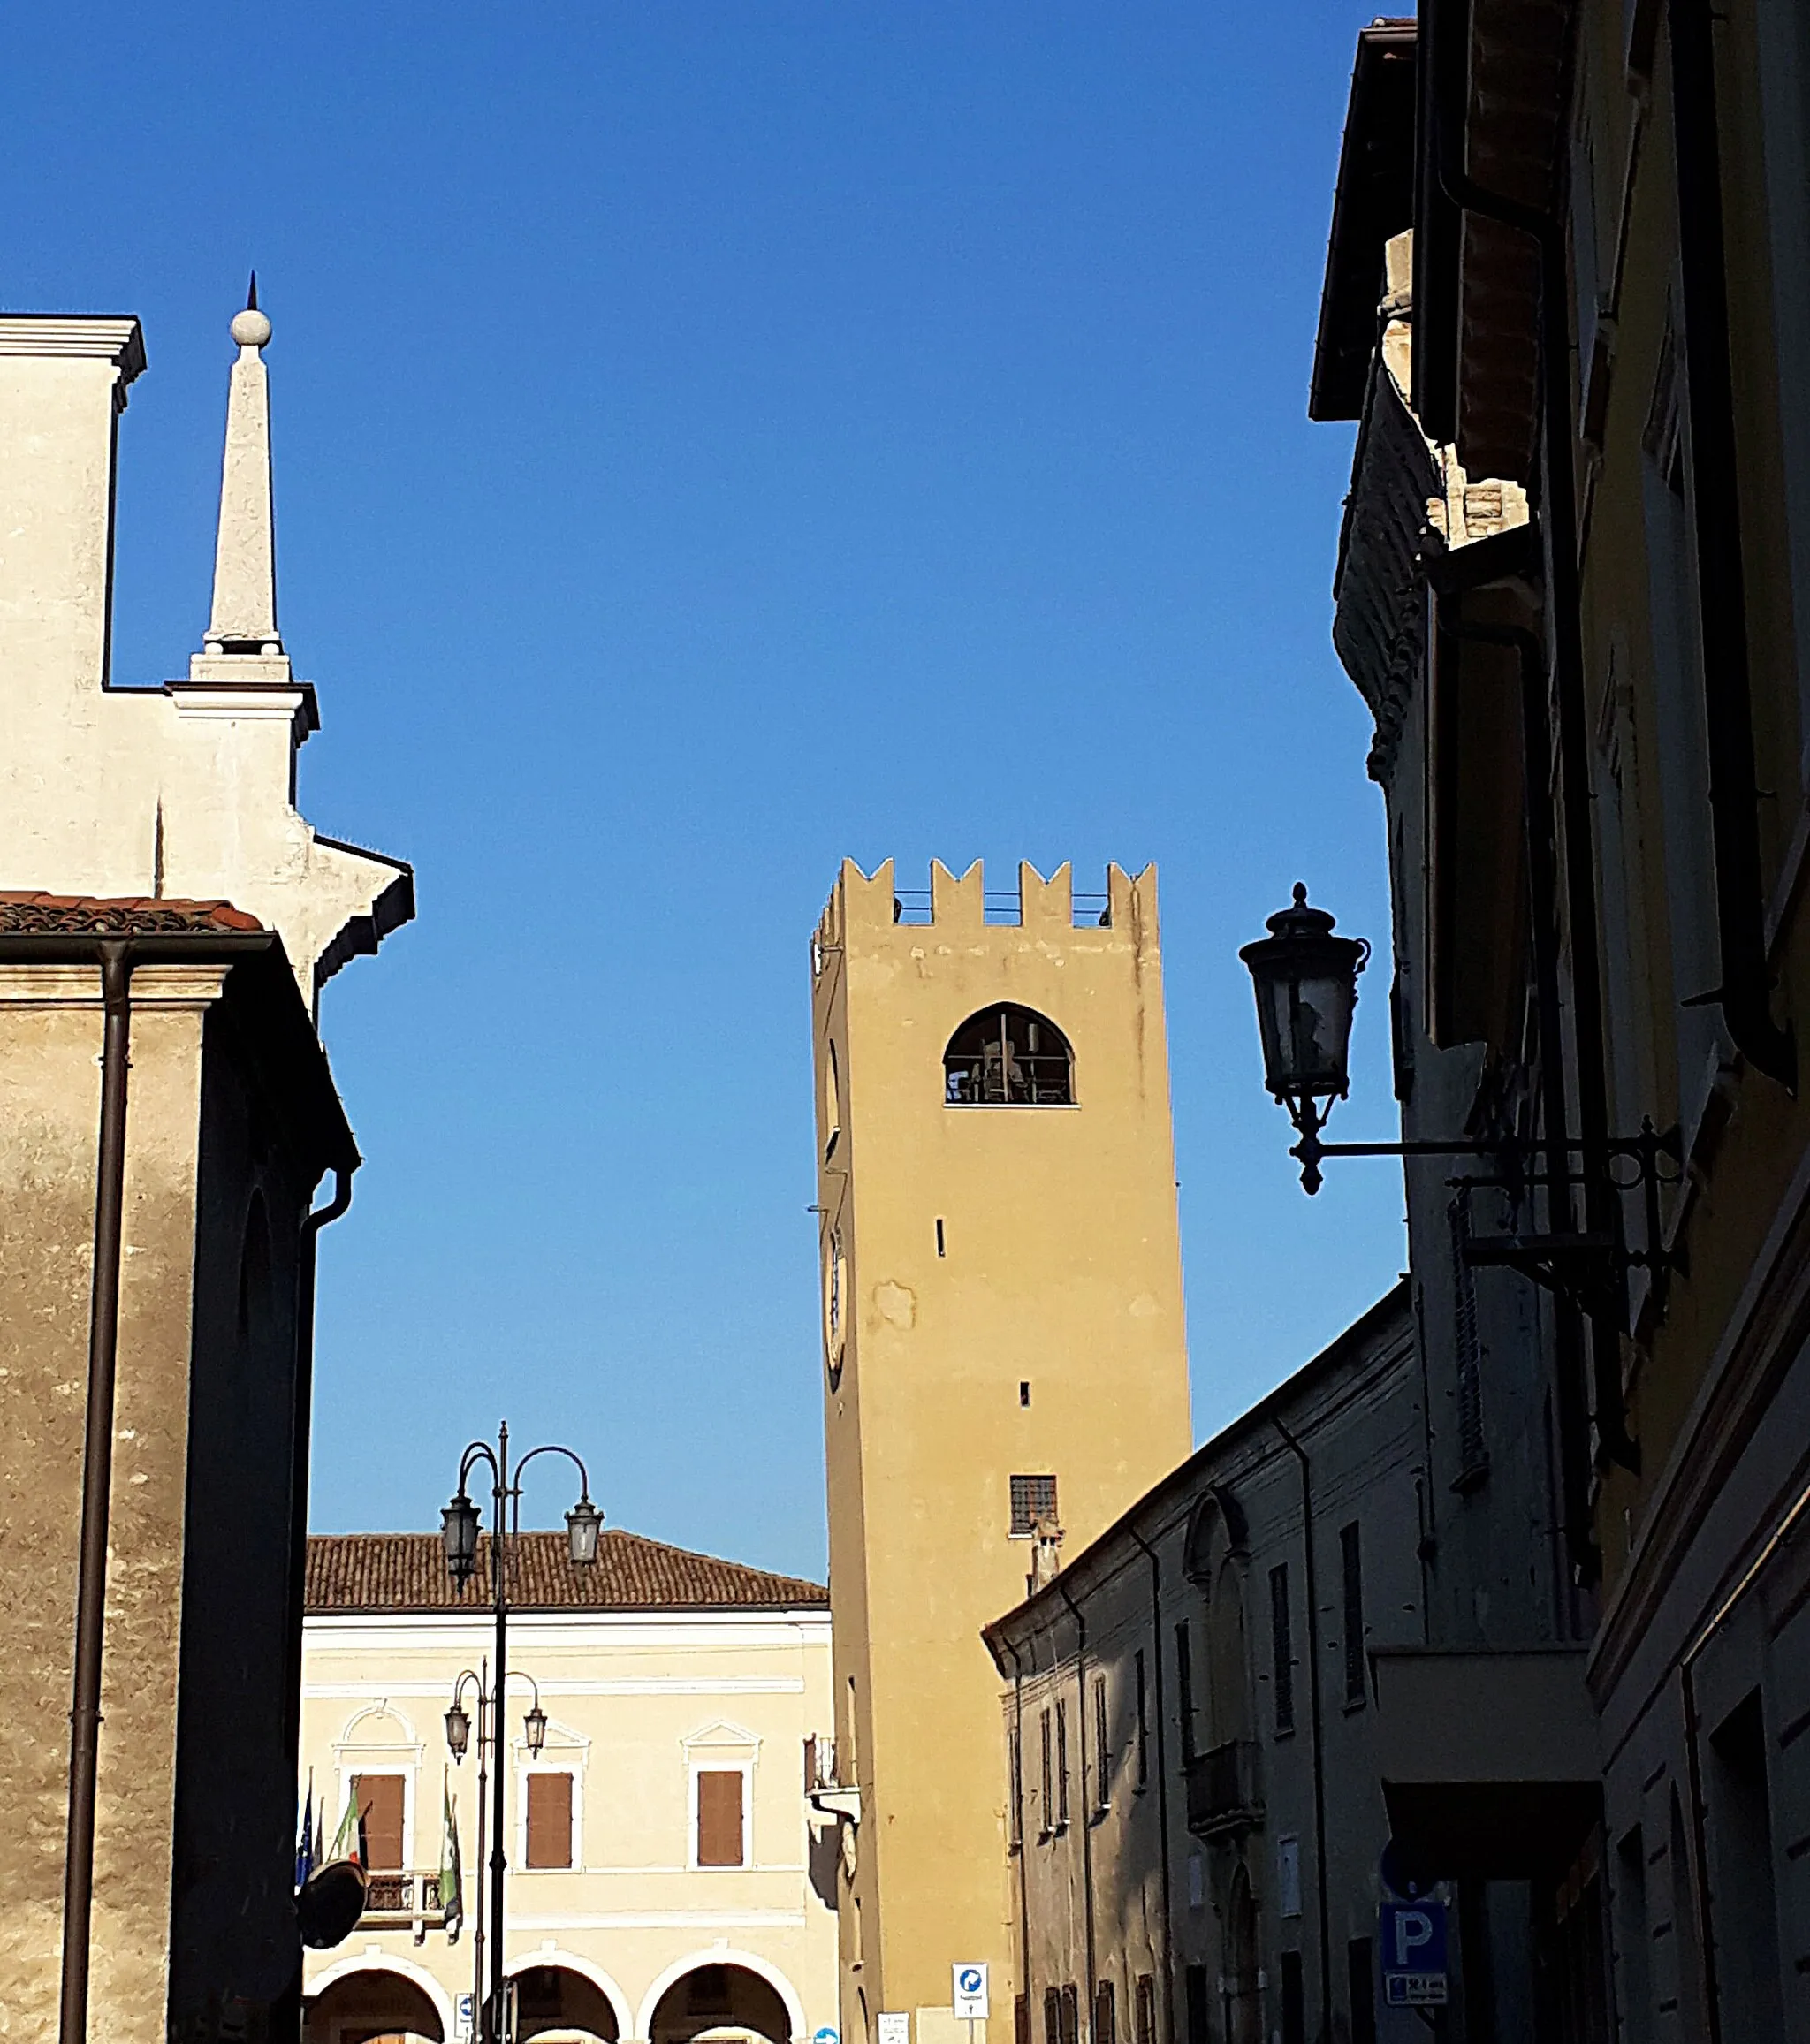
{"x": 1033, "y": 1502}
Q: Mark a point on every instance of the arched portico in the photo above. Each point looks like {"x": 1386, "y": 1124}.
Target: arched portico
{"x": 561, "y": 1996}
{"x": 776, "y": 2015}
{"x": 388, "y": 1996}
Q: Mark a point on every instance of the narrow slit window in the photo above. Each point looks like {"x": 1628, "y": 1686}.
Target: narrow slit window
{"x": 1102, "y": 1747}
{"x": 1352, "y": 1553}
{"x": 1282, "y": 1650}
{"x": 941, "y": 1249}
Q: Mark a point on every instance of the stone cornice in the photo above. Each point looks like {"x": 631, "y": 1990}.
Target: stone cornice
{"x": 116, "y": 338}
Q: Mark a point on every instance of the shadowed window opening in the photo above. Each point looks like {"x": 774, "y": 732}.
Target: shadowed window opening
{"x": 1008, "y": 1057}
{"x": 1033, "y": 1498}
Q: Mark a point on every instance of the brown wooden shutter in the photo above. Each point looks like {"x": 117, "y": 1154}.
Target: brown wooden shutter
{"x": 379, "y": 1799}
{"x": 719, "y": 1817}
{"x": 550, "y": 1820}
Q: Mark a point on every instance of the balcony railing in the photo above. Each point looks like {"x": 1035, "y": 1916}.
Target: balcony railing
{"x": 403, "y": 1901}
{"x": 1222, "y": 1793}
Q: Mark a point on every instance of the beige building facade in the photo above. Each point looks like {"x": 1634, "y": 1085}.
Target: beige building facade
{"x": 1005, "y": 1357}
{"x": 667, "y": 1878}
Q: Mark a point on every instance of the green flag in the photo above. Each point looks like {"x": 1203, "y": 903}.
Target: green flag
{"x": 348, "y": 1840}
{"x": 452, "y": 1882}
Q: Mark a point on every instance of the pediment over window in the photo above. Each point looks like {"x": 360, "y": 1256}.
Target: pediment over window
{"x": 722, "y": 1736}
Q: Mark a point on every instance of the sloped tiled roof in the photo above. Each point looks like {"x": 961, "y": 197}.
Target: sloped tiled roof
{"x": 407, "y": 1572}
{"x": 40, "y": 915}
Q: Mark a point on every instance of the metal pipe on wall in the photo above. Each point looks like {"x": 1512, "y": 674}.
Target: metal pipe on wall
{"x": 1312, "y": 1615}
{"x": 1162, "y": 1779}
{"x": 1086, "y": 1809}
{"x": 97, "y": 1492}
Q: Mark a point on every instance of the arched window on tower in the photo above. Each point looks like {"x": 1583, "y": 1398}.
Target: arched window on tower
{"x": 1008, "y": 1057}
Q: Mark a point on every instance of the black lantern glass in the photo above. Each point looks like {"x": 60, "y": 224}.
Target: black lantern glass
{"x": 458, "y": 1730}
{"x": 584, "y": 1522}
{"x": 1306, "y": 981}
{"x": 534, "y": 1725}
{"x": 459, "y": 1531}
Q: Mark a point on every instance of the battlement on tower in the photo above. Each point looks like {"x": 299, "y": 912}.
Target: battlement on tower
{"x": 961, "y": 903}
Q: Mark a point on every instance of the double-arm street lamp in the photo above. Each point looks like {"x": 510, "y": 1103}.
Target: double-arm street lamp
{"x": 459, "y": 1529}
{"x": 534, "y": 1733}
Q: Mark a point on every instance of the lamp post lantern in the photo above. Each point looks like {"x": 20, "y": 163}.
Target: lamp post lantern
{"x": 458, "y": 1532}
{"x": 1306, "y": 984}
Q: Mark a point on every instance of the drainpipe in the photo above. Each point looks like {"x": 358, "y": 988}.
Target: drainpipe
{"x": 311, "y": 1227}
{"x": 1015, "y": 1786}
{"x": 1319, "y": 1870}
{"x": 97, "y": 1492}
{"x": 1086, "y": 1807}
{"x": 1745, "y": 994}
{"x": 1162, "y": 1778}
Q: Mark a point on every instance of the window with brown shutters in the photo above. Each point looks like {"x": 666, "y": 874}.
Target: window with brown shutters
{"x": 550, "y": 1820}
{"x": 1144, "y": 2023}
{"x": 379, "y": 1800}
{"x": 1105, "y": 2021}
{"x": 1070, "y": 2024}
{"x": 719, "y": 1818}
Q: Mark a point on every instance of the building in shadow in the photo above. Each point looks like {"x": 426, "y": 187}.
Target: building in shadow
{"x": 1196, "y": 1822}
{"x": 167, "y": 921}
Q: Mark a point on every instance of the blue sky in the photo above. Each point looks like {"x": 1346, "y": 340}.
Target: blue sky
{"x": 712, "y": 439}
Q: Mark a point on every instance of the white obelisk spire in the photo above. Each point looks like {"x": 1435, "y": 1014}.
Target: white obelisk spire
{"x": 245, "y": 557}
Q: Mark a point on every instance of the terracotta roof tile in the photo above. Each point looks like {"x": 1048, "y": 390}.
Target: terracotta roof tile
{"x": 41, "y": 914}
{"x": 407, "y": 1572}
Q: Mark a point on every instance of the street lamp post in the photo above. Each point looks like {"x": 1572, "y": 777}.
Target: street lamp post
{"x": 460, "y": 1531}
{"x": 459, "y": 1731}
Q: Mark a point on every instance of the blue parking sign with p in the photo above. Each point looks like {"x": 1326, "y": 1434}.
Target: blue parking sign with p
{"x": 1412, "y": 1938}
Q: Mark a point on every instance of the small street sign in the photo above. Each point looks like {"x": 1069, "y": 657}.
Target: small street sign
{"x": 827, "y": 2034}
{"x": 465, "y": 2017}
{"x": 970, "y": 1993}
{"x": 895, "y": 2027}
{"x": 1413, "y": 1940}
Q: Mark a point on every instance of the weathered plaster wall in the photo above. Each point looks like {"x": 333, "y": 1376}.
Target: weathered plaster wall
{"x": 1061, "y": 1268}
{"x": 50, "y": 1039}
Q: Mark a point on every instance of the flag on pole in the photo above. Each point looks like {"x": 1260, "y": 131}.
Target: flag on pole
{"x": 348, "y": 1840}
{"x": 305, "y": 1846}
{"x": 452, "y": 1880}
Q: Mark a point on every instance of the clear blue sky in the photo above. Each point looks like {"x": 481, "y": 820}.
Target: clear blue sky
{"x": 712, "y": 439}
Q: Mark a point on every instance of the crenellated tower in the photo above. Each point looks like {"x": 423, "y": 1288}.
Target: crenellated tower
{"x": 1005, "y": 1358}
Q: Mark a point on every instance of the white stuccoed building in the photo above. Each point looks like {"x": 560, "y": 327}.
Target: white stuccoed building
{"x": 667, "y": 1872}
{"x": 180, "y": 789}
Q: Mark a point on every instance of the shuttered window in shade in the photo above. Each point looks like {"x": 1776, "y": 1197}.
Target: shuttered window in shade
{"x": 719, "y": 1842}
{"x": 379, "y": 1798}
{"x": 550, "y": 1820}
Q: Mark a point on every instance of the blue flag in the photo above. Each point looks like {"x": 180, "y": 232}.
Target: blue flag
{"x": 305, "y": 1846}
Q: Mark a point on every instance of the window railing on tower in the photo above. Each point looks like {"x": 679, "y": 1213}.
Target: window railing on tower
{"x": 1008, "y": 1057}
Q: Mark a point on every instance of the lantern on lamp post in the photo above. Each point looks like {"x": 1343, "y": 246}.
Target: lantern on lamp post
{"x": 1306, "y": 984}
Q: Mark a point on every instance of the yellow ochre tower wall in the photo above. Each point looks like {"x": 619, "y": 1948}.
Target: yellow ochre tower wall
{"x": 1002, "y": 1297}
